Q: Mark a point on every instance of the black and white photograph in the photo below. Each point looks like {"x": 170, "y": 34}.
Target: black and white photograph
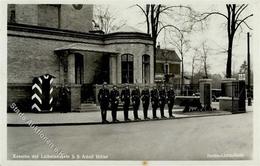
{"x": 130, "y": 82}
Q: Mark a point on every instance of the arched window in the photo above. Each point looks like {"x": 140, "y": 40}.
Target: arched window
{"x": 146, "y": 69}
{"x": 127, "y": 65}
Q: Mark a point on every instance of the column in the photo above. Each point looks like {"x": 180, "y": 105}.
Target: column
{"x": 71, "y": 69}
{"x": 138, "y": 71}
{"x": 151, "y": 69}
{"x": 119, "y": 73}
{"x": 113, "y": 68}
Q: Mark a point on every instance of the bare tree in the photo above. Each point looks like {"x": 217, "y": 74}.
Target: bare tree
{"x": 195, "y": 58}
{"x": 204, "y": 57}
{"x": 182, "y": 45}
{"x": 154, "y": 15}
{"x": 104, "y": 19}
{"x": 234, "y": 20}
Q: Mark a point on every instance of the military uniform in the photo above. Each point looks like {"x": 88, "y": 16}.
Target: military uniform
{"x": 125, "y": 98}
{"x": 145, "y": 99}
{"x": 154, "y": 101}
{"x": 64, "y": 99}
{"x": 136, "y": 102}
{"x": 170, "y": 100}
{"x": 103, "y": 98}
{"x": 162, "y": 101}
{"x": 114, "y": 101}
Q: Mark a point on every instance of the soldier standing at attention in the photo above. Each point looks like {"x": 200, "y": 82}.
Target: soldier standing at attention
{"x": 64, "y": 94}
{"x": 162, "y": 100}
{"x": 136, "y": 101}
{"x": 103, "y": 98}
{"x": 154, "y": 101}
{"x": 114, "y": 100}
{"x": 145, "y": 99}
{"x": 125, "y": 98}
{"x": 170, "y": 99}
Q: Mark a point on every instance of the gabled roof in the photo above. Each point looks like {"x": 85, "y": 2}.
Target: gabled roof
{"x": 167, "y": 54}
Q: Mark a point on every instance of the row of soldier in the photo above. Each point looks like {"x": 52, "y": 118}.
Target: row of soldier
{"x": 158, "y": 98}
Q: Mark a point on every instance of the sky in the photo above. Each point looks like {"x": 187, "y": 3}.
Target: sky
{"x": 215, "y": 34}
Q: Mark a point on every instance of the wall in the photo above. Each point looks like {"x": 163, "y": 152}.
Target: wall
{"x": 48, "y": 16}
{"x": 76, "y": 20}
{"x": 28, "y": 58}
{"x": 26, "y": 14}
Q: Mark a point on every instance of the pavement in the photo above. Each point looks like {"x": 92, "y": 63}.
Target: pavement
{"x": 84, "y": 118}
{"x": 201, "y": 138}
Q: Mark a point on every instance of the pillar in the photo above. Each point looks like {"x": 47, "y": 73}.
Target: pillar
{"x": 205, "y": 91}
{"x": 119, "y": 73}
{"x": 151, "y": 69}
{"x": 138, "y": 71}
{"x": 113, "y": 69}
{"x": 71, "y": 69}
{"x": 226, "y": 86}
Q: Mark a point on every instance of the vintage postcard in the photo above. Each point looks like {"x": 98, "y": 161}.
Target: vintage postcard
{"x": 129, "y": 82}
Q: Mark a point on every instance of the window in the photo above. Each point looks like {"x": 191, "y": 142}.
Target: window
{"x": 127, "y": 65}
{"x": 79, "y": 69}
{"x": 11, "y": 13}
{"x": 146, "y": 69}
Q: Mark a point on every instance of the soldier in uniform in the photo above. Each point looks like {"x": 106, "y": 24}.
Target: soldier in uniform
{"x": 114, "y": 100}
{"x": 170, "y": 99}
{"x": 145, "y": 99}
{"x": 103, "y": 98}
{"x": 154, "y": 101}
{"x": 136, "y": 101}
{"x": 64, "y": 98}
{"x": 125, "y": 98}
{"x": 162, "y": 100}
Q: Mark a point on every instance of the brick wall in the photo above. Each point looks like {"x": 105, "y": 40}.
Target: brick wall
{"x": 77, "y": 20}
{"x": 26, "y": 14}
{"x": 28, "y": 58}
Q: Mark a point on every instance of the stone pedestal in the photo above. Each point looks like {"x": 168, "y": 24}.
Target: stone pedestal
{"x": 228, "y": 104}
{"x": 75, "y": 97}
{"x": 226, "y": 87}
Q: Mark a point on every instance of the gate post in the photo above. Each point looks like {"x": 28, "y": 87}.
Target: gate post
{"x": 205, "y": 93}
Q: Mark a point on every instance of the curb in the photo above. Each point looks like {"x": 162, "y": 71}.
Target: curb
{"x": 121, "y": 122}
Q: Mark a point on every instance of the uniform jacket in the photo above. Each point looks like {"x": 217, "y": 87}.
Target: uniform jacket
{"x": 114, "y": 96}
{"x": 125, "y": 95}
{"x": 170, "y": 96}
{"x": 154, "y": 96}
{"x": 103, "y": 96}
{"x": 145, "y": 96}
{"x": 135, "y": 95}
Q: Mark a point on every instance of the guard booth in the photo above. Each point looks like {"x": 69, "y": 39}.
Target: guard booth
{"x": 42, "y": 93}
{"x": 233, "y": 96}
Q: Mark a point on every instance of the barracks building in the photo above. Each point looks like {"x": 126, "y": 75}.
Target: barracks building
{"x": 59, "y": 40}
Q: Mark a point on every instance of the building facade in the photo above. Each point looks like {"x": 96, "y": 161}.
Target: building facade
{"x": 55, "y": 39}
{"x": 168, "y": 67}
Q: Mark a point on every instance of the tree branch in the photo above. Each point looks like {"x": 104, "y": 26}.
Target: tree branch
{"x": 165, "y": 26}
{"x": 211, "y": 13}
{"x": 243, "y": 20}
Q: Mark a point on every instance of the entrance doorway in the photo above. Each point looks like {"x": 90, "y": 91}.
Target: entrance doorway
{"x": 79, "y": 69}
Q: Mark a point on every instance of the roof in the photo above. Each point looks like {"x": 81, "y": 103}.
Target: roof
{"x": 167, "y": 54}
{"x": 85, "y": 47}
{"x": 127, "y": 28}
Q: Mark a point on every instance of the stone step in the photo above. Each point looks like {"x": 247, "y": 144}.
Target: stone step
{"x": 89, "y": 107}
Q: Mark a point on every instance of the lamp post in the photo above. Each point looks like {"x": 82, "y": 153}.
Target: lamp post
{"x": 248, "y": 70}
